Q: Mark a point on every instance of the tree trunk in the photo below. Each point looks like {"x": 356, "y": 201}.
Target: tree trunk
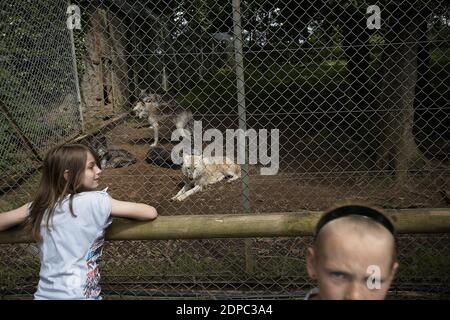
{"x": 398, "y": 147}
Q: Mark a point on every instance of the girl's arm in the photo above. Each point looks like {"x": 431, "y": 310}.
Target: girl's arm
{"x": 132, "y": 210}
{"x": 14, "y": 217}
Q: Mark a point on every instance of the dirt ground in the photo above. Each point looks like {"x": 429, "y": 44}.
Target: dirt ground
{"x": 312, "y": 176}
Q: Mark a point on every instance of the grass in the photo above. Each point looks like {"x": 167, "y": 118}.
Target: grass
{"x": 426, "y": 268}
{"x": 187, "y": 265}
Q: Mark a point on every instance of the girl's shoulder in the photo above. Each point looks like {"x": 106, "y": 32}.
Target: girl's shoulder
{"x": 88, "y": 199}
{"x": 94, "y": 206}
{"x": 94, "y": 194}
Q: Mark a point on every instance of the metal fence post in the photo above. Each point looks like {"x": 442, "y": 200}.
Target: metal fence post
{"x": 240, "y": 85}
{"x": 75, "y": 75}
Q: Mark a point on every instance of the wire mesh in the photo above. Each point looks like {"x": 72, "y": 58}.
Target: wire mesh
{"x": 360, "y": 100}
{"x": 38, "y": 97}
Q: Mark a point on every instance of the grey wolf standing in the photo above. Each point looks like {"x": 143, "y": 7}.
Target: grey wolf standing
{"x": 156, "y": 109}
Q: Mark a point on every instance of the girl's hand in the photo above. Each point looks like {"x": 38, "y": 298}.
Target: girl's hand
{"x": 14, "y": 217}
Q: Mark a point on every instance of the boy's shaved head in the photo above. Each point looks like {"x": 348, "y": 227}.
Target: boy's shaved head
{"x": 358, "y": 226}
{"x": 353, "y": 247}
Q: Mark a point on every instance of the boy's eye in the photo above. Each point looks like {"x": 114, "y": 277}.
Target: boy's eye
{"x": 338, "y": 275}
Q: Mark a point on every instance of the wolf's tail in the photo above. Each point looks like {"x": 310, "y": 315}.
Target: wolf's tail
{"x": 185, "y": 120}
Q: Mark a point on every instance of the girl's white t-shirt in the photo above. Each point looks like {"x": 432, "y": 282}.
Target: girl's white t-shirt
{"x": 71, "y": 249}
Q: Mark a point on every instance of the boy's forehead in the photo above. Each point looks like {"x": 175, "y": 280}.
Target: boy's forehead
{"x": 355, "y": 250}
{"x": 358, "y": 227}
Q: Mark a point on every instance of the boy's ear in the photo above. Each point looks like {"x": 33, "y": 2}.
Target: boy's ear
{"x": 310, "y": 263}
{"x": 66, "y": 175}
{"x": 394, "y": 269}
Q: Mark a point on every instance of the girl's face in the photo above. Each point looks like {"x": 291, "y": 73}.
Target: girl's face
{"x": 91, "y": 173}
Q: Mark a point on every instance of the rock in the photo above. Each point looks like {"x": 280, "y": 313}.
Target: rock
{"x": 161, "y": 157}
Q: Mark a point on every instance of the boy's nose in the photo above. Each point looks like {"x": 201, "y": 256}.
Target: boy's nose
{"x": 354, "y": 291}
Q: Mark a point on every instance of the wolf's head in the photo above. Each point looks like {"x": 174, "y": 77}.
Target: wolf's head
{"x": 143, "y": 95}
{"x": 193, "y": 166}
{"x": 147, "y": 97}
{"x": 140, "y": 110}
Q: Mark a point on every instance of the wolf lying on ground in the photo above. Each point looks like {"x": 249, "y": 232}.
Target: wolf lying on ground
{"x": 111, "y": 157}
{"x": 199, "y": 171}
{"x": 155, "y": 108}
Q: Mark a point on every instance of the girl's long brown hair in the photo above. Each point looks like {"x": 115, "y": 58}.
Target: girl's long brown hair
{"x": 54, "y": 186}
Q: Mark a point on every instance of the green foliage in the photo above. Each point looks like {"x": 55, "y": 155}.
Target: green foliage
{"x": 36, "y": 80}
{"x": 264, "y": 85}
{"x": 429, "y": 265}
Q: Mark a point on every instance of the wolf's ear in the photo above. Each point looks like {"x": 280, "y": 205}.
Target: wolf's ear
{"x": 186, "y": 158}
{"x": 142, "y": 93}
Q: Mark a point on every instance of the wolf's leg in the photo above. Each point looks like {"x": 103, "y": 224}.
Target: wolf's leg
{"x": 175, "y": 197}
{"x": 156, "y": 133}
{"x": 234, "y": 177}
{"x": 190, "y": 192}
{"x": 185, "y": 188}
{"x": 220, "y": 178}
{"x": 154, "y": 124}
{"x": 182, "y": 190}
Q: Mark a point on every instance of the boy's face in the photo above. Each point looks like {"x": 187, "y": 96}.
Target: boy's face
{"x": 350, "y": 266}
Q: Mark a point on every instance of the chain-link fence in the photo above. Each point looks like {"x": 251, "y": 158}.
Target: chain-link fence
{"x": 358, "y": 91}
{"x": 38, "y": 98}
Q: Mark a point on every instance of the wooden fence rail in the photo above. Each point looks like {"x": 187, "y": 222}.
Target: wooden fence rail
{"x": 290, "y": 224}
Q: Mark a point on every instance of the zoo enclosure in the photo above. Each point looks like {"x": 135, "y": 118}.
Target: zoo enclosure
{"x": 363, "y": 112}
